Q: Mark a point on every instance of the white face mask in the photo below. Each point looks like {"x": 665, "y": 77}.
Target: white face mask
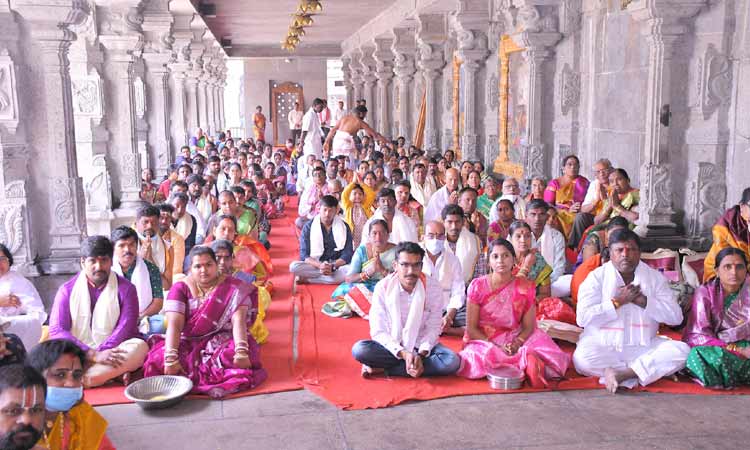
{"x": 434, "y": 246}
{"x": 511, "y": 197}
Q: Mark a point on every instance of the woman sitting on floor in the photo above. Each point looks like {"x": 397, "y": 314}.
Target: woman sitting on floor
{"x": 357, "y": 201}
{"x": 371, "y": 263}
{"x": 530, "y": 263}
{"x": 567, "y": 192}
{"x": 502, "y": 217}
{"x": 21, "y": 308}
{"x": 717, "y": 328}
{"x": 731, "y": 230}
{"x": 207, "y": 339}
{"x": 501, "y": 325}
{"x": 622, "y": 201}
{"x": 71, "y": 422}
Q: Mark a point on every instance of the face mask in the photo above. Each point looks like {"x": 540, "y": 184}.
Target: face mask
{"x": 435, "y": 246}
{"x": 511, "y": 197}
{"x": 62, "y": 399}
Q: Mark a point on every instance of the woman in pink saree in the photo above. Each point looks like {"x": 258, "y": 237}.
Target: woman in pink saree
{"x": 566, "y": 193}
{"x": 208, "y": 316}
{"x": 501, "y": 325}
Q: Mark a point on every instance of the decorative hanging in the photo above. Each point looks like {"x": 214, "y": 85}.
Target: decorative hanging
{"x": 300, "y": 19}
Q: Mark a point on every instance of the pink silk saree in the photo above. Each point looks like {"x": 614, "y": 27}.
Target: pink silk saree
{"x": 206, "y": 350}
{"x": 500, "y": 317}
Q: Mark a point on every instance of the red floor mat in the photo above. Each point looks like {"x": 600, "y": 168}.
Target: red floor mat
{"x": 327, "y": 368}
{"x": 276, "y": 353}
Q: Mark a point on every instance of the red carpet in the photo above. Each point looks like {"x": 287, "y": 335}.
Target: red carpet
{"x": 276, "y": 353}
{"x": 327, "y": 368}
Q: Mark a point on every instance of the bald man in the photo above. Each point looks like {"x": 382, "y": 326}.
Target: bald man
{"x": 447, "y": 194}
{"x": 445, "y": 267}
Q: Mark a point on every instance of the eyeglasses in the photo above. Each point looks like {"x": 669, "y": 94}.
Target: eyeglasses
{"x": 4, "y": 259}
{"x": 16, "y": 411}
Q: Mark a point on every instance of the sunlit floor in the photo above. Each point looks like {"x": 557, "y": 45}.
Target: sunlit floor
{"x": 559, "y": 420}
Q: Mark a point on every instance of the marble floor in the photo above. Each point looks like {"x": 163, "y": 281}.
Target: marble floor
{"x": 554, "y": 420}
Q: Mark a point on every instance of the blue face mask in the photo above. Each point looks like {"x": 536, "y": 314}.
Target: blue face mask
{"x": 60, "y": 399}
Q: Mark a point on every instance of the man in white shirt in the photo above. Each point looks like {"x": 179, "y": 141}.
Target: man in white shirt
{"x": 401, "y": 226}
{"x": 592, "y": 203}
{"x": 422, "y": 186}
{"x": 551, "y": 244}
{"x": 405, "y": 323}
{"x": 620, "y": 307}
{"x": 338, "y": 114}
{"x": 447, "y": 194}
{"x": 295, "y": 121}
{"x": 463, "y": 243}
{"x": 445, "y": 267}
{"x": 311, "y": 140}
{"x": 512, "y": 191}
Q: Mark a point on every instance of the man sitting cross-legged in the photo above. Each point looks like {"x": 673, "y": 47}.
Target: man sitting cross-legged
{"x": 98, "y": 311}
{"x": 401, "y": 228}
{"x": 620, "y": 307}
{"x": 445, "y": 267}
{"x": 405, "y": 323}
{"x": 325, "y": 246}
{"x": 143, "y": 274}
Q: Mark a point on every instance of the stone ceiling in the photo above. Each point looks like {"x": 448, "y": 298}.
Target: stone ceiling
{"x": 258, "y": 27}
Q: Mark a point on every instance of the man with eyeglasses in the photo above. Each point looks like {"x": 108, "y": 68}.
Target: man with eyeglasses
{"x": 22, "y": 409}
{"x": 446, "y": 268}
{"x": 405, "y": 323}
{"x": 593, "y": 202}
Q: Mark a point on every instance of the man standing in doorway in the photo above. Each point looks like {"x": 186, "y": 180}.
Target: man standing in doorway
{"x": 295, "y": 121}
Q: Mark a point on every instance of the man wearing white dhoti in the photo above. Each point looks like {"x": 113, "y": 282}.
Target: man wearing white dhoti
{"x": 342, "y": 135}
{"x": 620, "y": 307}
{"x": 21, "y": 308}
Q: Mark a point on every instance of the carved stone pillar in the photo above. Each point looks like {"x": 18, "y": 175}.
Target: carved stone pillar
{"x": 191, "y": 100}
{"x": 197, "y": 50}
{"x": 663, "y": 25}
{"x": 203, "y": 102}
{"x": 384, "y": 74}
{"x": 222, "y": 83}
{"x": 46, "y": 120}
{"x": 178, "y": 69}
{"x": 157, "y": 28}
{"x": 123, "y": 43}
{"x": 348, "y": 84}
{"x": 471, "y": 23}
{"x": 357, "y": 76}
{"x": 431, "y": 37}
{"x": 369, "y": 83}
{"x": 404, "y": 49}
{"x": 86, "y": 65}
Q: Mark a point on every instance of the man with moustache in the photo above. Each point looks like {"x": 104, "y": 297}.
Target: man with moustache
{"x": 152, "y": 247}
{"x": 22, "y": 402}
{"x": 143, "y": 274}
{"x": 401, "y": 227}
{"x": 405, "y": 323}
{"x": 98, "y": 311}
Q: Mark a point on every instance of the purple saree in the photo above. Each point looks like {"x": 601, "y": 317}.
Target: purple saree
{"x": 206, "y": 350}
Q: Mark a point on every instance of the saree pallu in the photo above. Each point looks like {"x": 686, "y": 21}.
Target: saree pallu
{"x": 81, "y": 428}
{"x": 497, "y": 230}
{"x": 730, "y": 231}
{"x": 484, "y": 205}
{"x": 500, "y": 317}
{"x": 548, "y": 308}
{"x": 206, "y": 351}
{"x": 357, "y": 297}
{"x": 561, "y": 197}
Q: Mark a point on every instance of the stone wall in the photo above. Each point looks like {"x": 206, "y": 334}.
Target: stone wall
{"x": 310, "y": 73}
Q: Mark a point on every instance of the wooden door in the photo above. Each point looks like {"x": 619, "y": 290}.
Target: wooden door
{"x": 283, "y": 97}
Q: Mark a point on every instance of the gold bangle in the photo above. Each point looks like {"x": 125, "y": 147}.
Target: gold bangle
{"x": 732, "y": 347}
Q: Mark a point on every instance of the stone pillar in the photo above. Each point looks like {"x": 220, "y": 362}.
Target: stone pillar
{"x": 157, "y": 28}
{"x": 384, "y": 74}
{"x": 432, "y": 34}
{"x": 369, "y": 79}
{"x": 203, "y": 101}
{"x": 125, "y": 90}
{"x": 348, "y": 83}
{"x": 663, "y": 25}
{"x": 178, "y": 69}
{"x": 195, "y": 73}
{"x": 404, "y": 49}
{"x": 471, "y": 21}
{"x": 191, "y": 100}
{"x": 86, "y": 65}
{"x": 358, "y": 80}
{"x": 41, "y": 130}
{"x": 220, "y": 86}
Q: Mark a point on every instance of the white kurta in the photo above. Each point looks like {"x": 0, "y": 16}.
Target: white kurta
{"x": 552, "y": 247}
{"x": 436, "y": 204}
{"x": 447, "y": 271}
{"x": 403, "y": 230}
{"x": 423, "y": 193}
{"x": 314, "y": 137}
{"x": 26, "y": 320}
{"x": 627, "y": 337}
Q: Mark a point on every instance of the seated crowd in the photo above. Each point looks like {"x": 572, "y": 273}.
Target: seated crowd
{"x": 422, "y": 245}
